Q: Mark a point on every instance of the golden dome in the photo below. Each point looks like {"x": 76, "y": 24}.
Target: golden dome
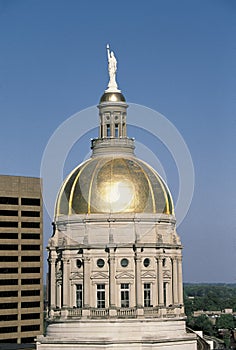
{"x": 111, "y": 184}
{"x": 112, "y": 97}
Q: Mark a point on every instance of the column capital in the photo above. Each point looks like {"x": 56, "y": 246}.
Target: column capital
{"x": 86, "y": 259}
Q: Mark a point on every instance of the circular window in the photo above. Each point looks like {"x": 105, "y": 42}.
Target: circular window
{"x": 146, "y": 262}
{"x": 124, "y": 262}
{"x": 100, "y": 263}
{"x": 79, "y": 263}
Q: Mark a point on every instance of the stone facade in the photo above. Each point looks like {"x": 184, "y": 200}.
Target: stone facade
{"x": 115, "y": 259}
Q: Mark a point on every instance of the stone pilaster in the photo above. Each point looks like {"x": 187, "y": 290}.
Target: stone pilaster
{"x": 160, "y": 280}
{"x": 112, "y": 282}
{"x": 87, "y": 286}
{"x": 138, "y": 280}
{"x": 65, "y": 281}
{"x": 180, "y": 280}
{"x": 52, "y": 262}
{"x": 175, "y": 281}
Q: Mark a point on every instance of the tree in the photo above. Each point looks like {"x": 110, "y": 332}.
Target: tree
{"x": 225, "y": 321}
{"x": 202, "y": 323}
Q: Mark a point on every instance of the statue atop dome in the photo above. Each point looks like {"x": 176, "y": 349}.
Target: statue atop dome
{"x": 112, "y": 68}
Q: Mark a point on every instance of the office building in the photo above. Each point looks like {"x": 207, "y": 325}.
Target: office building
{"x": 21, "y": 259}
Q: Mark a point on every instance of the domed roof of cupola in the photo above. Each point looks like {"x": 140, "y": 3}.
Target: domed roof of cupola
{"x": 112, "y": 97}
{"x": 113, "y": 180}
{"x": 122, "y": 184}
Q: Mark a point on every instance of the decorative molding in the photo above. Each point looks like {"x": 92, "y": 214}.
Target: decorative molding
{"x": 148, "y": 274}
{"x": 99, "y": 275}
{"x": 124, "y": 275}
{"x": 76, "y": 276}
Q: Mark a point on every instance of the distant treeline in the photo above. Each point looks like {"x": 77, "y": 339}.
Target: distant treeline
{"x": 212, "y": 297}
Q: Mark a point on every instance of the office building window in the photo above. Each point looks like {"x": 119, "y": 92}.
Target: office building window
{"x": 124, "y": 294}
{"x": 9, "y": 200}
{"x": 79, "y": 295}
{"x": 147, "y": 294}
{"x": 30, "y": 201}
{"x": 100, "y": 296}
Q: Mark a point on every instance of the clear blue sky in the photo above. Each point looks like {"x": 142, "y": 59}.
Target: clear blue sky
{"x": 176, "y": 57}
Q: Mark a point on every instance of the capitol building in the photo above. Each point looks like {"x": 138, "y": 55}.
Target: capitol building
{"x": 115, "y": 258}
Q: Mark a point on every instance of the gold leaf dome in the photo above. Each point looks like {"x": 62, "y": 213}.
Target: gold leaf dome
{"x": 114, "y": 184}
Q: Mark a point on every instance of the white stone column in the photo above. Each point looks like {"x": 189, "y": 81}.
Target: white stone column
{"x": 86, "y": 281}
{"x": 66, "y": 282}
{"x": 138, "y": 280}
{"x": 175, "y": 281}
{"x": 52, "y": 262}
{"x": 59, "y": 294}
{"x": 160, "y": 281}
{"x": 112, "y": 281}
{"x": 155, "y": 294}
{"x": 180, "y": 280}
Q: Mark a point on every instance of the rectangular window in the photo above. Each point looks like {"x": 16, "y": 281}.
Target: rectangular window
{"x": 29, "y": 328}
{"x": 100, "y": 296}
{"x": 116, "y": 130}
{"x": 30, "y": 281}
{"x": 30, "y": 270}
{"x": 8, "y": 246}
{"x": 28, "y": 293}
{"x": 30, "y": 213}
{"x": 165, "y": 292}
{"x": 8, "y": 212}
{"x": 11, "y": 329}
{"x": 108, "y": 130}
{"x": 30, "y": 258}
{"x": 8, "y": 235}
{"x": 31, "y": 316}
{"x": 30, "y": 201}
{"x": 8, "y": 293}
{"x": 79, "y": 295}
{"x": 147, "y": 294}
{"x": 30, "y": 235}
{"x": 30, "y": 247}
{"x": 8, "y": 270}
{"x": 30, "y": 224}
{"x": 9, "y": 200}
{"x": 124, "y": 294}
{"x": 10, "y": 282}
{"x": 8, "y": 224}
{"x": 12, "y": 317}
{"x": 27, "y": 340}
{"x": 29, "y": 304}
{"x": 8, "y": 306}
{"x": 8, "y": 258}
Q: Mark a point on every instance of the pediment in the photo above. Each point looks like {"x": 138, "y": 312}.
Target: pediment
{"x": 166, "y": 274}
{"x": 148, "y": 275}
{"x": 125, "y": 275}
{"x": 99, "y": 275}
{"x": 76, "y": 276}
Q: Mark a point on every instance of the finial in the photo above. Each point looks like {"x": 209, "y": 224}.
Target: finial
{"x": 112, "y": 68}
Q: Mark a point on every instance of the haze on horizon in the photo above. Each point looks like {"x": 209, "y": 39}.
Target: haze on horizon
{"x": 177, "y": 58}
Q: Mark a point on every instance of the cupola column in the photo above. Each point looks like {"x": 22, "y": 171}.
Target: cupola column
{"x": 66, "y": 284}
{"x": 112, "y": 286}
{"x": 86, "y": 281}
{"x": 52, "y": 262}
{"x": 175, "y": 280}
{"x": 138, "y": 281}
{"x": 160, "y": 280}
{"x": 180, "y": 280}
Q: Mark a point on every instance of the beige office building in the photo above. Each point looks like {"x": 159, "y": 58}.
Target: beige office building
{"x": 21, "y": 259}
